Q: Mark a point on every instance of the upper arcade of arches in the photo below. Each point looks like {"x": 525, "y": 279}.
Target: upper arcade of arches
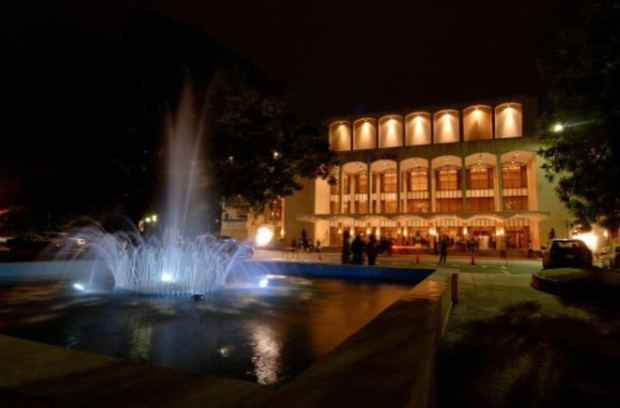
{"x": 418, "y": 128}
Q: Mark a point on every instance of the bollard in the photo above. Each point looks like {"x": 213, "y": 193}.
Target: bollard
{"x": 473, "y": 260}
{"x": 320, "y": 257}
{"x": 417, "y": 259}
{"x": 455, "y": 288}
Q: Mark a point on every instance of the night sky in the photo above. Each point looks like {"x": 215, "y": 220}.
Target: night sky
{"x": 342, "y": 57}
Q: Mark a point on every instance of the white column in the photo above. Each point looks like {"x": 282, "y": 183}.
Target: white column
{"x": 500, "y": 185}
{"x": 398, "y": 187}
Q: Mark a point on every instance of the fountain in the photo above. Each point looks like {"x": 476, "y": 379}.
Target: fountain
{"x": 180, "y": 259}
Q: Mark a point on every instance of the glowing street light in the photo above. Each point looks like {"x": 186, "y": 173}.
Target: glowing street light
{"x": 264, "y": 235}
{"x": 557, "y": 128}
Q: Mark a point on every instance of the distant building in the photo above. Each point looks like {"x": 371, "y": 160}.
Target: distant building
{"x": 469, "y": 171}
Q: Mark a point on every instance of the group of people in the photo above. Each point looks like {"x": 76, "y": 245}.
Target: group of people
{"x": 354, "y": 252}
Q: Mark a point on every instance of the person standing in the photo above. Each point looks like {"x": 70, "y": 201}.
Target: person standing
{"x": 357, "y": 247}
{"x": 346, "y": 248}
{"x": 372, "y": 250}
{"x": 443, "y": 250}
{"x": 294, "y": 249}
{"x": 304, "y": 240}
{"x": 551, "y": 234}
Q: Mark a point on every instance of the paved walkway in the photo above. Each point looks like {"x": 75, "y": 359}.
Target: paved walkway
{"x": 508, "y": 345}
{"x": 509, "y": 266}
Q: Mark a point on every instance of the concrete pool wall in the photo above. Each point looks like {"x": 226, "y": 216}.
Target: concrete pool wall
{"x": 379, "y": 273}
{"x": 390, "y": 361}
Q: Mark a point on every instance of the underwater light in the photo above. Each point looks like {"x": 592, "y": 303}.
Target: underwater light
{"x": 263, "y": 283}
{"x": 78, "y": 286}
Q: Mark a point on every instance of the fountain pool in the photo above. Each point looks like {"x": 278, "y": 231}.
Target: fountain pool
{"x": 265, "y": 333}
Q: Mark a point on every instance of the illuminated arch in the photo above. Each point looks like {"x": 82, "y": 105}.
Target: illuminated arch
{"x": 365, "y": 134}
{"x": 446, "y": 126}
{"x": 508, "y": 120}
{"x": 418, "y": 129}
{"x": 477, "y": 123}
{"x": 340, "y": 135}
{"x": 391, "y": 131}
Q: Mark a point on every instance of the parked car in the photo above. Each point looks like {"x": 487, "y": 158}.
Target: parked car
{"x": 27, "y": 242}
{"x": 610, "y": 256}
{"x": 61, "y": 239}
{"x": 243, "y": 249}
{"x": 566, "y": 252}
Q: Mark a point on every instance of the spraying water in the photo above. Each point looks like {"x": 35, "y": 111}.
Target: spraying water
{"x": 181, "y": 259}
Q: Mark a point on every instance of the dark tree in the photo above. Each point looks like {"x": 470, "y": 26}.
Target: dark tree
{"x": 257, "y": 151}
{"x": 580, "y": 121}
{"x": 85, "y": 118}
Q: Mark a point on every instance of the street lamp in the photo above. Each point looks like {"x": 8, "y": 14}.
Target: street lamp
{"x": 557, "y": 128}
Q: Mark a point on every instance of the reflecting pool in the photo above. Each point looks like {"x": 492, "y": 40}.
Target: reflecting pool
{"x": 265, "y": 333}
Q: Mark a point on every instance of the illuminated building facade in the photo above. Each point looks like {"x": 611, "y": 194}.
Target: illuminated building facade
{"x": 467, "y": 171}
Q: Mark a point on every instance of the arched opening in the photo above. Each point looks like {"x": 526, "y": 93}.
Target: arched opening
{"x": 480, "y": 181}
{"x": 519, "y": 181}
{"x": 447, "y": 184}
{"x": 418, "y": 129}
{"x": 340, "y": 136}
{"x": 414, "y": 176}
{"x": 477, "y": 123}
{"x": 384, "y": 185}
{"x": 391, "y": 131}
{"x": 355, "y": 188}
{"x": 508, "y": 120}
{"x": 446, "y": 126}
{"x": 365, "y": 134}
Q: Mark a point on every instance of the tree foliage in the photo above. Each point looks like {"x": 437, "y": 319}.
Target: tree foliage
{"x": 257, "y": 151}
{"x": 85, "y": 119}
{"x": 581, "y": 78}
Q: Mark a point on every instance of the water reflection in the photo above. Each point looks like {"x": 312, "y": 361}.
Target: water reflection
{"x": 141, "y": 342}
{"x": 265, "y": 335}
{"x": 266, "y": 348}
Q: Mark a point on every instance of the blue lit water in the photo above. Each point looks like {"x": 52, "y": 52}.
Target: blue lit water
{"x": 259, "y": 334}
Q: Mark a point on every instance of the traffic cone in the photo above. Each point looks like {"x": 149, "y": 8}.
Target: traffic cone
{"x": 473, "y": 260}
{"x": 417, "y": 259}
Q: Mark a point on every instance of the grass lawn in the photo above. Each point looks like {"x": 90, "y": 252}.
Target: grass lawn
{"x": 566, "y": 274}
